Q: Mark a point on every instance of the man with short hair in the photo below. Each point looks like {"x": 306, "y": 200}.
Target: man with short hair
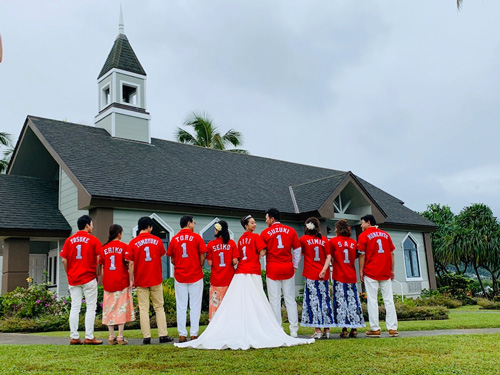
{"x": 144, "y": 255}
{"x": 79, "y": 258}
{"x": 376, "y": 269}
{"x": 187, "y": 253}
{"x": 282, "y": 260}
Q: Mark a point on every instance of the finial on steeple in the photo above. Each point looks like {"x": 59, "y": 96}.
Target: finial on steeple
{"x": 121, "y": 26}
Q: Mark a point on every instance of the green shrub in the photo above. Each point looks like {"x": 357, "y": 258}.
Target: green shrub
{"x": 408, "y": 312}
{"x": 458, "y": 287}
{"x": 488, "y": 304}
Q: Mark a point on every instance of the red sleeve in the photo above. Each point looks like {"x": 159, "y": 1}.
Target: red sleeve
{"x": 236, "y": 252}
{"x": 391, "y": 244}
{"x": 201, "y": 245}
{"x": 64, "y": 250}
{"x": 209, "y": 251}
{"x": 170, "y": 250}
{"x": 362, "y": 243}
{"x": 97, "y": 247}
{"x": 303, "y": 244}
{"x": 259, "y": 243}
{"x": 101, "y": 256}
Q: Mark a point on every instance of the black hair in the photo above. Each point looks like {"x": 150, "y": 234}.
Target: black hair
{"x": 244, "y": 221}
{"x": 114, "y": 231}
{"x": 185, "y": 220}
{"x": 145, "y": 222}
{"x": 343, "y": 229}
{"x": 273, "y": 213}
{"x": 224, "y": 232}
{"x": 316, "y": 231}
{"x": 83, "y": 221}
{"x": 369, "y": 219}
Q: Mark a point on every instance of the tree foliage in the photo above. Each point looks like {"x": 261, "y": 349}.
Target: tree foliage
{"x": 469, "y": 239}
{"x": 5, "y": 141}
{"x": 206, "y": 134}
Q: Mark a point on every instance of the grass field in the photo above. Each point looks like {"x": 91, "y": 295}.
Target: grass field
{"x": 451, "y": 354}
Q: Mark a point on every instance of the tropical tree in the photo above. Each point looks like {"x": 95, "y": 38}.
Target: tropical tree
{"x": 206, "y": 134}
{"x": 477, "y": 240}
{"x": 440, "y": 239}
{"x": 5, "y": 141}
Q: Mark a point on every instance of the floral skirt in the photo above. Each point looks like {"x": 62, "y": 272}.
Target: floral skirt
{"x": 118, "y": 307}
{"x": 347, "y": 311}
{"x": 217, "y": 293}
{"x": 317, "y": 308}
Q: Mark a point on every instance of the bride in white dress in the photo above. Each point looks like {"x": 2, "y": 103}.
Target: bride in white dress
{"x": 244, "y": 318}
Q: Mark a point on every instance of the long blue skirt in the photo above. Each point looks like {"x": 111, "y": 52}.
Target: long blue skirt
{"x": 347, "y": 311}
{"x": 317, "y": 308}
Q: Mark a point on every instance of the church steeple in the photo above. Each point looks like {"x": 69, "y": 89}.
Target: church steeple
{"x": 122, "y": 96}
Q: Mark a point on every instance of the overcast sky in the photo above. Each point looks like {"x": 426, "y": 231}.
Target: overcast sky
{"x": 405, "y": 94}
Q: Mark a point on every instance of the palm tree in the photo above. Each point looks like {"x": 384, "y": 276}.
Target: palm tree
{"x": 5, "y": 141}
{"x": 459, "y": 4}
{"x": 206, "y": 134}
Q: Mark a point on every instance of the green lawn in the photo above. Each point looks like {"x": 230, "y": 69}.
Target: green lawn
{"x": 450, "y": 354}
{"x": 463, "y": 354}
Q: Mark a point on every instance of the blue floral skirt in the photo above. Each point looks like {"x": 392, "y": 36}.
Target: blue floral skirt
{"x": 317, "y": 308}
{"x": 347, "y": 311}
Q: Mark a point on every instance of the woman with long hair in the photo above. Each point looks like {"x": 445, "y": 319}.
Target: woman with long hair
{"x": 245, "y": 318}
{"x": 118, "y": 307}
{"x": 347, "y": 311}
{"x": 222, "y": 256}
{"x": 316, "y": 308}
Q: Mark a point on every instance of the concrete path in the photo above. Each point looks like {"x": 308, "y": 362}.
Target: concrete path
{"x": 30, "y": 339}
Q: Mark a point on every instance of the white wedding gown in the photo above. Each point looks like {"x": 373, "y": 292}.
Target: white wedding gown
{"x": 244, "y": 320}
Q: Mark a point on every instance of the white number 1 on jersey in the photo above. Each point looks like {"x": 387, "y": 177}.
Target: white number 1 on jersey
{"x": 380, "y": 248}
{"x": 280, "y": 241}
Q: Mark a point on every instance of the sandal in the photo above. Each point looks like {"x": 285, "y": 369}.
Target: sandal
{"x": 121, "y": 341}
{"x": 354, "y": 333}
{"x": 326, "y": 334}
{"x": 112, "y": 341}
{"x": 344, "y": 334}
{"x": 316, "y": 335}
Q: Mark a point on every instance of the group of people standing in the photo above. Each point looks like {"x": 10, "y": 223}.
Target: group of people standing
{"x": 241, "y": 316}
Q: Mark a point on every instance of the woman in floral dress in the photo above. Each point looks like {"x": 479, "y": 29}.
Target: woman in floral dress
{"x": 347, "y": 312}
{"x": 118, "y": 307}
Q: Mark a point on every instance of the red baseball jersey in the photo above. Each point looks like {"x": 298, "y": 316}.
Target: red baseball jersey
{"x": 115, "y": 271}
{"x": 185, "y": 249}
{"x": 344, "y": 255}
{"x": 222, "y": 256}
{"x": 315, "y": 251}
{"x": 280, "y": 241}
{"x": 146, "y": 251}
{"x": 81, "y": 251}
{"x": 378, "y": 247}
{"x": 250, "y": 244}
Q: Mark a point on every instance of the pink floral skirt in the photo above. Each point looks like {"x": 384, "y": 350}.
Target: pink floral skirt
{"x": 118, "y": 307}
{"x": 217, "y": 293}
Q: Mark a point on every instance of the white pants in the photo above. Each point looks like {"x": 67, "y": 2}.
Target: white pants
{"x": 391, "y": 319}
{"x": 274, "y": 288}
{"x": 193, "y": 292}
{"x": 76, "y": 292}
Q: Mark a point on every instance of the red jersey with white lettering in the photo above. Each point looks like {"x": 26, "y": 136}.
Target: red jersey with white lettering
{"x": 222, "y": 256}
{"x": 280, "y": 241}
{"x": 185, "y": 249}
{"x": 250, "y": 244}
{"x": 146, "y": 251}
{"x": 115, "y": 271}
{"x": 378, "y": 247}
{"x": 344, "y": 255}
{"x": 81, "y": 251}
{"x": 315, "y": 251}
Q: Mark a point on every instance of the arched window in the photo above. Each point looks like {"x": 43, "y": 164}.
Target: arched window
{"x": 412, "y": 263}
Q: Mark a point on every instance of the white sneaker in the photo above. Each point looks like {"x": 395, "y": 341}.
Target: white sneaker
{"x": 293, "y": 334}
{"x": 316, "y": 335}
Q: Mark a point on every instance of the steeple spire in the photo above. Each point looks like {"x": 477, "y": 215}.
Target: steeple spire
{"x": 121, "y": 25}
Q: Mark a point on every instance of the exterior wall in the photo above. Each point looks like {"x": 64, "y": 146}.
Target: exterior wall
{"x": 129, "y": 127}
{"x": 124, "y": 79}
{"x": 68, "y": 201}
{"x": 105, "y": 124}
{"x": 15, "y": 269}
{"x": 410, "y": 287}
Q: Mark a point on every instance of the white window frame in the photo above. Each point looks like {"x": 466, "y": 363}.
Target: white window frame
{"x": 417, "y": 245}
{"x": 103, "y": 95}
{"x": 137, "y": 90}
{"x": 207, "y": 227}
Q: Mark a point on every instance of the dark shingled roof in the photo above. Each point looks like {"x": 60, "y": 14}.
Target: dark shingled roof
{"x": 123, "y": 57}
{"x": 172, "y": 172}
{"x": 19, "y": 211}
{"x": 311, "y": 195}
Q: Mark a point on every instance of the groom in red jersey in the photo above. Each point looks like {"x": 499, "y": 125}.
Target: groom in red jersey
{"x": 282, "y": 259}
